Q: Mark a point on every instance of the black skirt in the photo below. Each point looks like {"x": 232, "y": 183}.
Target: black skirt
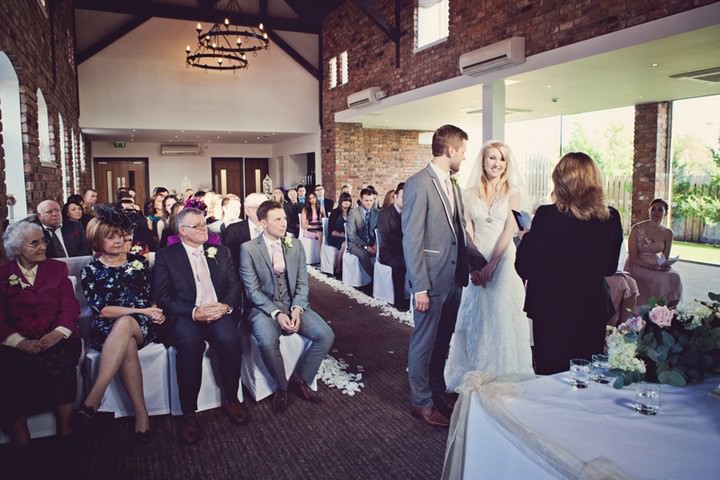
{"x": 33, "y": 383}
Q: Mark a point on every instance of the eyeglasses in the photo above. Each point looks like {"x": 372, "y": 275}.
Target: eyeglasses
{"x": 37, "y": 243}
{"x": 199, "y": 226}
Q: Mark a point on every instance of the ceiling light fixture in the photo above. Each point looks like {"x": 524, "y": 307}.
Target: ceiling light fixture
{"x": 225, "y": 45}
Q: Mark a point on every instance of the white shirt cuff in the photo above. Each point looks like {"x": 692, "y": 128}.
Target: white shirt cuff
{"x": 13, "y": 340}
{"x": 66, "y": 332}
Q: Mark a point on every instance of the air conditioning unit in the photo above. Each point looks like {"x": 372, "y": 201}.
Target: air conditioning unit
{"x": 365, "y": 97}
{"x": 510, "y": 51}
{"x": 180, "y": 149}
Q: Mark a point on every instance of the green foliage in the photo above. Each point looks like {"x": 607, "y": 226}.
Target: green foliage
{"x": 679, "y": 353}
{"x": 611, "y": 147}
{"x": 690, "y": 200}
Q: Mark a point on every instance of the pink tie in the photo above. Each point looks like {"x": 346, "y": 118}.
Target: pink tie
{"x": 207, "y": 292}
{"x": 277, "y": 258}
{"x": 449, "y": 192}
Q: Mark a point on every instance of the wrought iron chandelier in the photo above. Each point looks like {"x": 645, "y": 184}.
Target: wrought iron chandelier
{"x": 224, "y": 46}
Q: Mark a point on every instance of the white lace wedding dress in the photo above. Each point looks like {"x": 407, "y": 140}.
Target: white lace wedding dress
{"x": 492, "y": 334}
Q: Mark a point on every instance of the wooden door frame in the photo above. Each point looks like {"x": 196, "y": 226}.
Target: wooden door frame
{"x": 212, "y": 171}
{"x": 145, "y": 160}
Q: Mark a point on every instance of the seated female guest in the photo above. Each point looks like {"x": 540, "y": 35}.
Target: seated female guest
{"x": 40, "y": 345}
{"x": 649, "y": 246}
{"x": 117, "y": 287}
{"x": 311, "y": 218}
{"x": 572, "y": 245}
{"x": 336, "y": 225}
{"x": 72, "y": 210}
{"x": 163, "y": 223}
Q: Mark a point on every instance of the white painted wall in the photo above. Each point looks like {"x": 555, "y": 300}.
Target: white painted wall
{"x": 172, "y": 172}
{"x": 12, "y": 136}
{"x": 141, "y": 81}
{"x": 290, "y": 160}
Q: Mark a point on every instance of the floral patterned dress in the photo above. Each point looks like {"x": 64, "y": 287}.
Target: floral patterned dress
{"x": 126, "y": 285}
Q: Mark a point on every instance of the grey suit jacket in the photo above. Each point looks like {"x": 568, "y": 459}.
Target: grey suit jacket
{"x": 256, "y": 272}
{"x": 355, "y": 227}
{"x": 430, "y": 235}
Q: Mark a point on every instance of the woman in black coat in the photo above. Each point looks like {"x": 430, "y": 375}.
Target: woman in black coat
{"x": 572, "y": 245}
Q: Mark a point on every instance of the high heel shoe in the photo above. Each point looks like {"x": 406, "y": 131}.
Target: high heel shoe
{"x": 144, "y": 438}
{"x": 83, "y": 417}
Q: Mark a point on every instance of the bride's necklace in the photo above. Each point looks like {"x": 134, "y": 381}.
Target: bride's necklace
{"x": 113, "y": 261}
{"x": 492, "y": 198}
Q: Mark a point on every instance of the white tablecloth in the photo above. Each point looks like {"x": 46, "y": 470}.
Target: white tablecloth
{"x": 551, "y": 430}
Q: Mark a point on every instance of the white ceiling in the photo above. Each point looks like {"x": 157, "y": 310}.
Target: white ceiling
{"x": 597, "y": 74}
{"x": 617, "y": 78}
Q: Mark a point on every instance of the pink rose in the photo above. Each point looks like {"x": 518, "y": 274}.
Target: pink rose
{"x": 661, "y": 316}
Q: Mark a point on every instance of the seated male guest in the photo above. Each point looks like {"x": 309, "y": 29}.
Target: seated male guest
{"x": 389, "y": 227}
{"x": 360, "y": 229}
{"x": 326, "y": 204}
{"x": 274, "y": 274}
{"x": 39, "y": 340}
{"x": 63, "y": 239}
{"x": 197, "y": 290}
{"x": 240, "y": 232}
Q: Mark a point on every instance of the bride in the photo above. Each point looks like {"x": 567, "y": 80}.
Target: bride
{"x": 492, "y": 334}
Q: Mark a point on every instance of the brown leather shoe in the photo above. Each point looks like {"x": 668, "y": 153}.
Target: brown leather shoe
{"x": 430, "y": 416}
{"x": 445, "y": 403}
{"x": 190, "y": 429}
{"x": 237, "y": 412}
{"x": 303, "y": 390}
{"x": 280, "y": 401}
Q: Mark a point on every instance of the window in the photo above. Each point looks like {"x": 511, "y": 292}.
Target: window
{"x": 63, "y": 157}
{"x": 432, "y": 22}
{"x": 344, "y": 76}
{"x": 332, "y": 70}
{"x": 83, "y": 163}
{"x": 43, "y": 130}
{"x": 74, "y": 156}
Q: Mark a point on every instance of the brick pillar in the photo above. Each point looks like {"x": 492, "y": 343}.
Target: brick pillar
{"x": 651, "y": 162}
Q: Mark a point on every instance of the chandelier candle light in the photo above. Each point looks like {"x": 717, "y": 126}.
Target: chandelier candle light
{"x": 225, "y": 45}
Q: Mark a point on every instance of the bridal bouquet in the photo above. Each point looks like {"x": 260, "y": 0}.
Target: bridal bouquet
{"x": 668, "y": 345}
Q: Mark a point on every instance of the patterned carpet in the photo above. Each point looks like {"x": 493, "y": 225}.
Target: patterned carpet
{"x": 369, "y": 435}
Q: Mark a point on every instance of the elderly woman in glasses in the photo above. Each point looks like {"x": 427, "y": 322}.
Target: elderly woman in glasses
{"x": 39, "y": 339}
{"x": 117, "y": 287}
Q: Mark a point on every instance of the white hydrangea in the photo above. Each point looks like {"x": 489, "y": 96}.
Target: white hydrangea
{"x": 622, "y": 352}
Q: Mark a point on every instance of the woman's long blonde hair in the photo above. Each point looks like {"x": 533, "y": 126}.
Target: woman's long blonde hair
{"x": 578, "y": 187}
{"x": 483, "y": 185}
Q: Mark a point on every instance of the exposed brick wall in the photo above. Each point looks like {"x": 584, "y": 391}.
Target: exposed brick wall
{"x": 382, "y": 158}
{"x": 42, "y": 51}
{"x": 650, "y": 166}
{"x": 545, "y": 24}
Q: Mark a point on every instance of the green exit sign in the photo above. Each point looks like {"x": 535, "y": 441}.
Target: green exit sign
{"x": 119, "y": 144}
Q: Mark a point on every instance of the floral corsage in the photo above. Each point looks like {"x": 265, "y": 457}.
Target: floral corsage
{"x": 211, "y": 253}
{"x": 287, "y": 242}
{"x": 15, "y": 281}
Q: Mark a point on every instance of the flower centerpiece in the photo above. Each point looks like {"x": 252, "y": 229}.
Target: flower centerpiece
{"x": 675, "y": 346}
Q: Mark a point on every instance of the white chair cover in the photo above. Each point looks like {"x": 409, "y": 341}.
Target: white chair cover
{"x": 327, "y": 252}
{"x": 312, "y": 249}
{"x": 156, "y": 379}
{"x": 382, "y": 277}
{"x": 210, "y": 395}
{"x": 255, "y": 375}
{"x": 353, "y": 274}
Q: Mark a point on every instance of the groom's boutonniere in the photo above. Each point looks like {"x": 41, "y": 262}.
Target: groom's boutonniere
{"x": 287, "y": 242}
{"x": 15, "y": 281}
{"x": 454, "y": 181}
{"x": 211, "y": 253}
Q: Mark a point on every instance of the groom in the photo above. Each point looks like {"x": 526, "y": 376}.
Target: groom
{"x": 436, "y": 255}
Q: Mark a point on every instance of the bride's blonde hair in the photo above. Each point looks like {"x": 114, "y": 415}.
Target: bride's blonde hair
{"x": 504, "y": 184}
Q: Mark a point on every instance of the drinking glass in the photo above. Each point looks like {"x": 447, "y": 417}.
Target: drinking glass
{"x": 600, "y": 368}
{"x": 647, "y": 398}
{"x": 579, "y": 372}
